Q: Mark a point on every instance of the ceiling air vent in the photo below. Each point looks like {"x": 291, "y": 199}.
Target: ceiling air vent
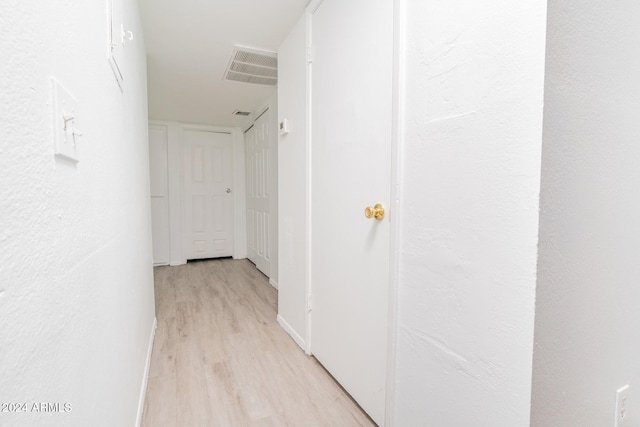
{"x": 251, "y": 65}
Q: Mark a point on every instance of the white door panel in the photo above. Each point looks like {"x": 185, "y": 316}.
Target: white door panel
{"x": 258, "y": 193}
{"x": 207, "y": 199}
{"x": 351, "y": 166}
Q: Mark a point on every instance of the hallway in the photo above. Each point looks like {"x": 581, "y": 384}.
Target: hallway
{"x": 220, "y": 358}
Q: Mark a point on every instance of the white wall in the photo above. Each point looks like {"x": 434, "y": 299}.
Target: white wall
{"x": 472, "y": 98}
{"x": 274, "y": 276}
{"x": 292, "y": 184}
{"x": 587, "y": 317}
{"x": 76, "y": 287}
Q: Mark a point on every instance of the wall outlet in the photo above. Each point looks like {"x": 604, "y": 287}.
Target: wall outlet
{"x": 622, "y": 402}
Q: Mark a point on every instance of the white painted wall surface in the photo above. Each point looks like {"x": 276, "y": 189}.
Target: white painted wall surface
{"x": 292, "y": 184}
{"x": 76, "y": 287}
{"x": 472, "y": 98}
{"x": 274, "y": 275}
{"x": 587, "y": 317}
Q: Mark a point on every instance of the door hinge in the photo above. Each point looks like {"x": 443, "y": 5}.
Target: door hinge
{"x": 309, "y": 54}
{"x": 310, "y": 303}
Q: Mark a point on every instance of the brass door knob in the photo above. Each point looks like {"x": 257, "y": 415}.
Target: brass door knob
{"x": 376, "y": 212}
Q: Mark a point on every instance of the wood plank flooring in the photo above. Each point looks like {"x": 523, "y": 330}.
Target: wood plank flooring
{"x": 220, "y": 358}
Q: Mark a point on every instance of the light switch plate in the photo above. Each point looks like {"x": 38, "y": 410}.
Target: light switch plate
{"x": 622, "y": 405}
{"x": 65, "y": 122}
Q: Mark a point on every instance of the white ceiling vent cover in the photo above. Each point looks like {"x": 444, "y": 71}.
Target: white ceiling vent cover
{"x": 251, "y": 65}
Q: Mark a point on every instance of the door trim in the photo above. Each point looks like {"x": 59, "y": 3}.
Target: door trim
{"x": 165, "y": 129}
{"x": 397, "y": 135}
{"x": 311, "y": 8}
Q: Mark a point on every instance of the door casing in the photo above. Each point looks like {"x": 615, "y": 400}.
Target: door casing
{"x": 175, "y": 173}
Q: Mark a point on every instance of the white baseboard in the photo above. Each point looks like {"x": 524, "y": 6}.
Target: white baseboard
{"x": 145, "y": 377}
{"x": 297, "y": 338}
{"x": 273, "y": 283}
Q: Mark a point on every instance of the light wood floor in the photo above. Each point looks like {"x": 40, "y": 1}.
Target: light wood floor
{"x": 221, "y": 359}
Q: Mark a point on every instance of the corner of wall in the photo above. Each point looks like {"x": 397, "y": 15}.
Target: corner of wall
{"x": 292, "y": 332}
{"x": 293, "y": 183}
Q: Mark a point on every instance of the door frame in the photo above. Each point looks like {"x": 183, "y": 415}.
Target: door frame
{"x": 397, "y": 138}
{"x": 175, "y": 166}
{"x": 165, "y": 129}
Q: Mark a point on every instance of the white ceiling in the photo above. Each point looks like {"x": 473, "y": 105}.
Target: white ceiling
{"x": 189, "y": 43}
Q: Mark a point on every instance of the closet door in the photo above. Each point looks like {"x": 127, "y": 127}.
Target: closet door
{"x": 258, "y": 157}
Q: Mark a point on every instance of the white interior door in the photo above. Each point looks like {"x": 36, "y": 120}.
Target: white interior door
{"x": 207, "y": 220}
{"x": 258, "y": 157}
{"x": 159, "y": 193}
{"x": 352, "y": 43}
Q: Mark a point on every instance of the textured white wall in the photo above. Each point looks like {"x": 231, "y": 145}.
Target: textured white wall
{"x": 76, "y": 288}
{"x": 587, "y": 317}
{"x": 292, "y": 183}
{"x": 472, "y": 99}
